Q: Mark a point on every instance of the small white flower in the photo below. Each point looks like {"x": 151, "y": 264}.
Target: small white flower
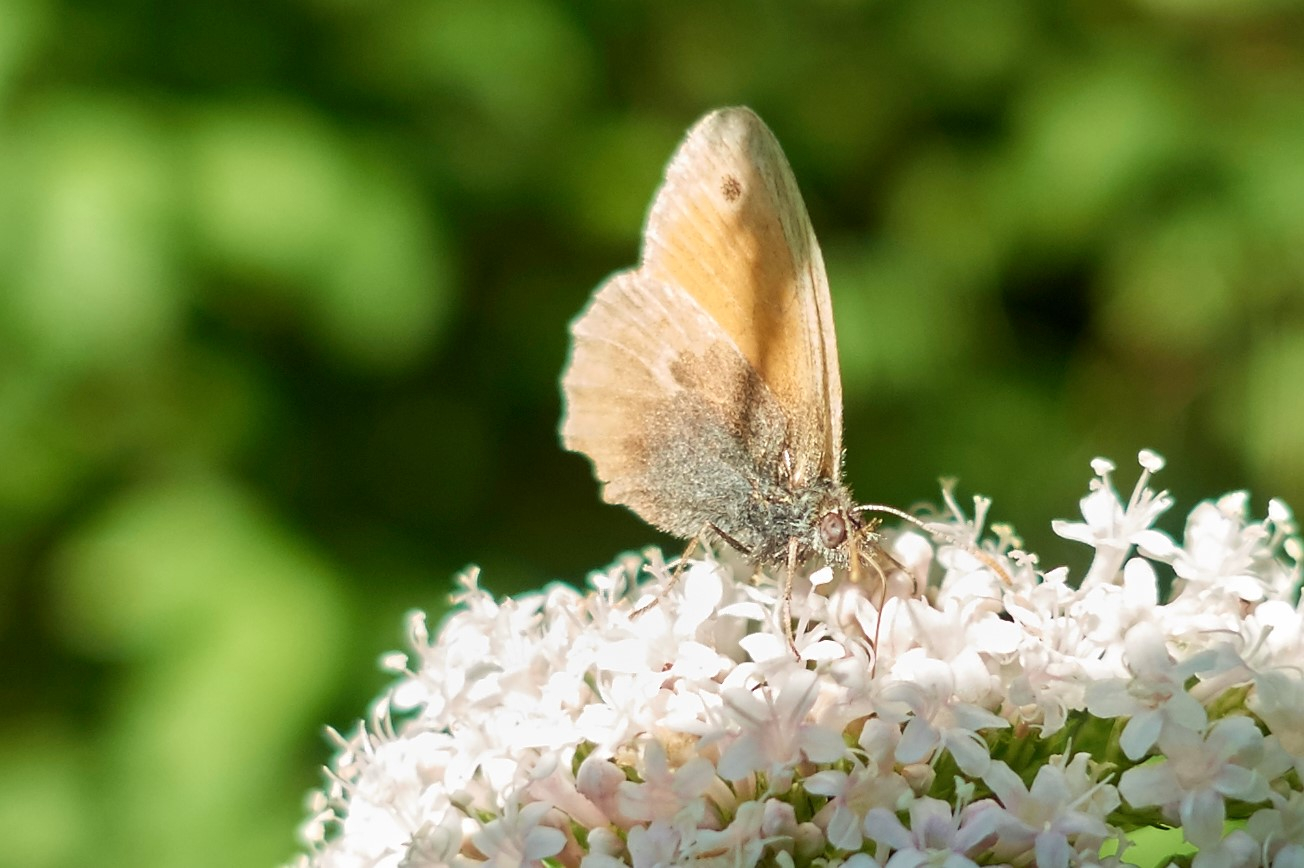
{"x": 664, "y": 792}
{"x": 599, "y": 780}
{"x": 654, "y": 845}
{"x": 936, "y": 836}
{"x": 605, "y": 849}
{"x": 740, "y": 843}
{"x": 582, "y": 797}
{"x": 1274, "y": 631}
{"x": 774, "y": 733}
{"x": 1236, "y": 850}
{"x": 1278, "y": 698}
{"x": 1279, "y": 829}
{"x": 1197, "y": 773}
{"x": 852, "y": 794}
{"x": 518, "y": 839}
{"x": 1154, "y": 698}
{"x": 964, "y": 635}
{"x": 1219, "y": 552}
{"x": 1112, "y": 527}
{"x": 936, "y": 721}
{"x": 1107, "y": 612}
{"x": 390, "y": 805}
{"x": 1053, "y": 818}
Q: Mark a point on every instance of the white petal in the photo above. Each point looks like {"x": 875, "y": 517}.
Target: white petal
{"x": 1005, "y": 784}
{"x": 823, "y": 745}
{"x": 1202, "y": 818}
{"x": 1053, "y": 850}
{"x": 882, "y": 825}
{"x": 826, "y": 783}
{"x": 917, "y": 741}
{"x": 1140, "y": 733}
{"x": 544, "y": 841}
{"x": 1148, "y": 785}
{"x": 970, "y": 752}
{"x": 844, "y": 830}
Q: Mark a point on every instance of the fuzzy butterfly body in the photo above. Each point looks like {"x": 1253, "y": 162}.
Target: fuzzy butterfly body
{"x": 703, "y": 384}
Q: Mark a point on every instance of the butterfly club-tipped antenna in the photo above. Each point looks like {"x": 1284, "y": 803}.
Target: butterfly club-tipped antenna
{"x": 938, "y": 532}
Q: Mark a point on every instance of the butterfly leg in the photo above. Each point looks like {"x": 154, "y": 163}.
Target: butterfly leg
{"x": 785, "y": 607}
{"x": 683, "y": 562}
{"x": 882, "y": 601}
{"x": 674, "y": 577}
{"x": 733, "y": 543}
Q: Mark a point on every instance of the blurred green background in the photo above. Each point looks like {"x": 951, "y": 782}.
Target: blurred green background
{"x": 284, "y": 290}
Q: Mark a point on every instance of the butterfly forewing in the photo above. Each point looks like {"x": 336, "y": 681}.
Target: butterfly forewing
{"x": 729, "y": 228}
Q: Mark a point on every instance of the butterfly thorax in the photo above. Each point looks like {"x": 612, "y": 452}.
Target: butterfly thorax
{"x": 819, "y": 515}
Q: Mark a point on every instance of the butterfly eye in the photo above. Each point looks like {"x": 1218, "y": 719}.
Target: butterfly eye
{"x": 833, "y": 530}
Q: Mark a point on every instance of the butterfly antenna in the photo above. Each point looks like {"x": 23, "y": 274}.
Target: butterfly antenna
{"x": 899, "y": 513}
{"x": 935, "y": 531}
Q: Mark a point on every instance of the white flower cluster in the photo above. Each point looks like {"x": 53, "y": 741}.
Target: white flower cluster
{"x": 983, "y": 716}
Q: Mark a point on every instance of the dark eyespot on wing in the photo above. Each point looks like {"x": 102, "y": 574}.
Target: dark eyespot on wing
{"x": 731, "y": 188}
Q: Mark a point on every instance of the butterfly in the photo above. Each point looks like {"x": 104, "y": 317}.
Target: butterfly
{"x": 704, "y": 385}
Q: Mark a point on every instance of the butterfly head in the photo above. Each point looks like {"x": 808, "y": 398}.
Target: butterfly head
{"x": 833, "y": 528}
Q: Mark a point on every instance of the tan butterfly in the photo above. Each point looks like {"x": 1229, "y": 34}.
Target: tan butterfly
{"x": 704, "y": 383}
